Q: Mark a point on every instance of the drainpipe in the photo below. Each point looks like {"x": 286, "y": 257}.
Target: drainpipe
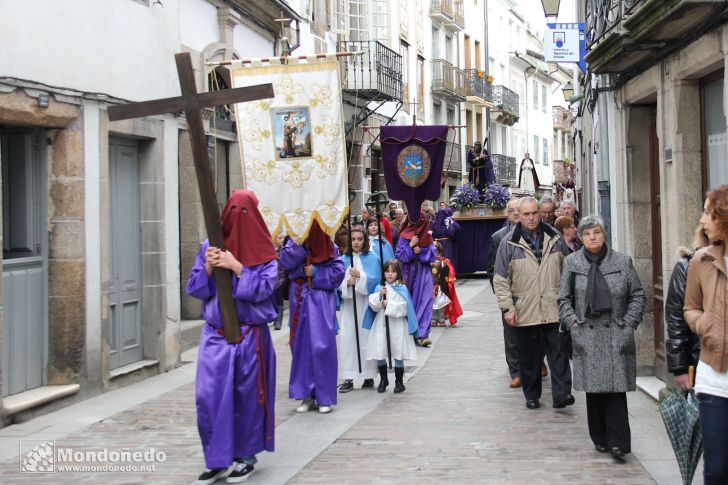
{"x": 486, "y": 68}
{"x": 603, "y": 164}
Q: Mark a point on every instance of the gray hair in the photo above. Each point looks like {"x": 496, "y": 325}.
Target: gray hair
{"x": 546, "y": 200}
{"x": 525, "y": 200}
{"x": 568, "y": 202}
{"x": 588, "y": 222}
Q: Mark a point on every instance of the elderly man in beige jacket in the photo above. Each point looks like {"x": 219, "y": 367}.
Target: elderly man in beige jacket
{"x": 527, "y": 280}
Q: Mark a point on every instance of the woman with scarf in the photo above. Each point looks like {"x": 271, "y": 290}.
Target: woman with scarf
{"x": 416, "y": 251}
{"x": 315, "y": 272}
{"x": 601, "y": 304}
{"x": 444, "y": 229}
{"x": 235, "y": 389}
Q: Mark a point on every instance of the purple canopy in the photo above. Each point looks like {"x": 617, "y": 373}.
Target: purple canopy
{"x": 413, "y": 158}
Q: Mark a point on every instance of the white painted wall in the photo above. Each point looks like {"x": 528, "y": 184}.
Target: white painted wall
{"x": 127, "y": 51}
{"x": 198, "y": 24}
{"x": 249, "y": 43}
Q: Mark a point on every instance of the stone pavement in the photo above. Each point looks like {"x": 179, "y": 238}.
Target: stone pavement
{"x": 457, "y": 421}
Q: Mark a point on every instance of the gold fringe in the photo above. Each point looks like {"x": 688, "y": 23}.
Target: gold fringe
{"x": 330, "y": 230}
{"x": 286, "y": 68}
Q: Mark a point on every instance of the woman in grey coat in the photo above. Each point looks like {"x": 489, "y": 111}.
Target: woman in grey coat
{"x": 601, "y": 304}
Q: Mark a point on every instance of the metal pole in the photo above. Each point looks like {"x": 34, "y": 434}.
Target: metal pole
{"x": 353, "y": 298}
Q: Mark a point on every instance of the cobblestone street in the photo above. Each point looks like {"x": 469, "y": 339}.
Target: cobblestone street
{"x": 457, "y": 422}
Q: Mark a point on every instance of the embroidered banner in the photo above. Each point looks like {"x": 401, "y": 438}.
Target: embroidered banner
{"x": 413, "y": 158}
{"x": 293, "y": 149}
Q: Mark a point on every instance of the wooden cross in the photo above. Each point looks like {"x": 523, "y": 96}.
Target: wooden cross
{"x": 192, "y": 103}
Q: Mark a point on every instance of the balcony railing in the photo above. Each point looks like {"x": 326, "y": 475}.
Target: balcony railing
{"x": 448, "y": 80}
{"x": 505, "y": 169}
{"x": 449, "y": 12}
{"x": 562, "y": 118}
{"x": 456, "y": 165}
{"x": 623, "y": 35}
{"x": 375, "y": 74}
{"x": 506, "y": 100}
{"x": 477, "y": 86}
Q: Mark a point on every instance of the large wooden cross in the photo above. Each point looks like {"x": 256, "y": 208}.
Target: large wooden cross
{"x": 192, "y": 103}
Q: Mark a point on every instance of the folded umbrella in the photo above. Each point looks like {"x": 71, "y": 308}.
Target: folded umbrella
{"x": 682, "y": 422}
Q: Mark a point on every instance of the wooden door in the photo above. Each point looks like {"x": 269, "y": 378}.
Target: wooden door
{"x": 125, "y": 336}
{"x": 25, "y": 260}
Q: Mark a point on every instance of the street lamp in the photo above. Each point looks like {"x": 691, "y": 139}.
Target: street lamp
{"x": 568, "y": 90}
{"x": 551, "y": 7}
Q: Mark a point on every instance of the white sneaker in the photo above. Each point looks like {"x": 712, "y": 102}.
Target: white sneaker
{"x": 325, "y": 409}
{"x": 305, "y": 406}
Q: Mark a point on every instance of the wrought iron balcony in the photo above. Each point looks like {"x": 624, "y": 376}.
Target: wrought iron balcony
{"x": 505, "y": 169}
{"x": 477, "y": 89}
{"x": 448, "y": 80}
{"x": 451, "y": 13}
{"x": 562, "y": 118}
{"x": 623, "y": 35}
{"x": 455, "y": 163}
{"x": 505, "y": 106}
{"x": 375, "y": 74}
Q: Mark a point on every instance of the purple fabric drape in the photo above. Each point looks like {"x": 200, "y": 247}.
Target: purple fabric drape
{"x": 470, "y": 254}
{"x": 432, "y": 140}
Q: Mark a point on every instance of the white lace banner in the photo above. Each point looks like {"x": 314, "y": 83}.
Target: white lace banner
{"x": 293, "y": 149}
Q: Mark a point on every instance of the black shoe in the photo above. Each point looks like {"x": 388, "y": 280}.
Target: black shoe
{"x": 601, "y": 448}
{"x": 533, "y": 404}
{"x": 347, "y": 386}
{"x": 240, "y": 473}
{"x": 383, "y": 381}
{"x": 567, "y": 400}
{"x": 368, "y": 384}
{"x": 617, "y": 454}
{"x": 210, "y": 476}
{"x": 399, "y": 380}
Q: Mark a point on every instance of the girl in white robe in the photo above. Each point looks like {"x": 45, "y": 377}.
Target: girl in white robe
{"x": 360, "y": 281}
{"x": 396, "y": 302}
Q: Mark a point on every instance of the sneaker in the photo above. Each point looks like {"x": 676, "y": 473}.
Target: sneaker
{"x": 210, "y": 476}
{"x": 240, "y": 473}
{"x": 305, "y": 406}
{"x": 325, "y": 409}
{"x": 368, "y": 383}
{"x": 347, "y": 386}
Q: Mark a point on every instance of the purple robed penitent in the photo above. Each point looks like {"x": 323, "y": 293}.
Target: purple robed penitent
{"x": 235, "y": 389}
{"x": 431, "y": 139}
{"x": 418, "y": 278}
{"x": 444, "y": 229}
{"x": 314, "y": 364}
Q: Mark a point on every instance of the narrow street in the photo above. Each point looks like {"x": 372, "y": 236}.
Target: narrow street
{"x": 457, "y": 421}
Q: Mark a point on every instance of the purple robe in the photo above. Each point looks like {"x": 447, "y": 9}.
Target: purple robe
{"x": 314, "y": 364}
{"x": 418, "y": 278}
{"x": 235, "y": 388}
{"x": 444, "y": 229}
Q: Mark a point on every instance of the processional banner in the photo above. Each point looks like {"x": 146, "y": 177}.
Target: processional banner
{"x": 413, "y": 157}
{"x": 293, "y": 148}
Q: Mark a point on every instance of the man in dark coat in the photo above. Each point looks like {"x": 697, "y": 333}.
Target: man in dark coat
{"x": 509, "y": 333}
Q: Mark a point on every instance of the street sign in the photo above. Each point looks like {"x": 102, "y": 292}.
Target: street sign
{"x": 565, "y": 42}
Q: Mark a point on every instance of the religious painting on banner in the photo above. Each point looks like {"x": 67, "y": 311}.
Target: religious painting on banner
{"x": 293, "y": 148}
{"x": 413, "y": 159}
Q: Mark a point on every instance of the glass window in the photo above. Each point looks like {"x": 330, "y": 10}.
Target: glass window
{"x": 380, "y": 21}
{"x": 535, "y": 94}
{"x": 536, "y": 144}
{"x": 545, "y": 153}
{"x": 715, "y": 134}
{"x": 358, "y": 28}
{"x": 543, "y": 98}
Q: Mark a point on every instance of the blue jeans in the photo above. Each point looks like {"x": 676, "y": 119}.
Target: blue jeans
{"x": 714, "y": 426}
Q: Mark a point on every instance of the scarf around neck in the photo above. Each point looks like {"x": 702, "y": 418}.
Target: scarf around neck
{"x": 598, "y": 297}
